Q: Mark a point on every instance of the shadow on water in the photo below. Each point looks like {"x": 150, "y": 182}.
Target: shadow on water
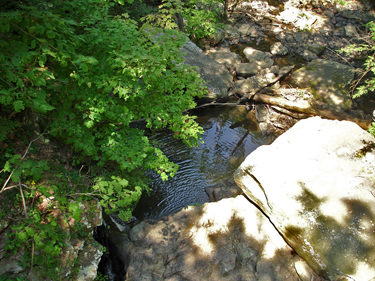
{"x": 228, "y": 138}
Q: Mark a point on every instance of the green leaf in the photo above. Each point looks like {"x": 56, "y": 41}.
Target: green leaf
{"x": 50, "y": 34}
{"x": 42, "y": 106}
{"x": 84, "y": 67}
{"x": 30, "y": 231}
{"x": 22, "y": 235}
{"x": 42, "y": 60}
{"x": 16, "y": 61}
{"x": 7, "y": 167}
{"x": 18, "y": 106}
{"x": 33, "y": 44}
{"x": 38, "y": 240}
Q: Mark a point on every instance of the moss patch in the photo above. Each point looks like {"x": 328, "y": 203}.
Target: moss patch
{"x": 368, "y": 147}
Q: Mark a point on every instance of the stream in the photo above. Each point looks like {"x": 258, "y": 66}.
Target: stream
{"x": 230, "y": 135}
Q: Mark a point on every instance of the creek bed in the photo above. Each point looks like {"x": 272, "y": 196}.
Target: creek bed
{"x": 230, "y": 135}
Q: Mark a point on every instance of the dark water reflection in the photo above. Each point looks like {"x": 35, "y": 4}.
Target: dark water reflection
{"x": 230, "y": 135}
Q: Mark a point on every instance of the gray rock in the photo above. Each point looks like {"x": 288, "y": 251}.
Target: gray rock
{"x": 225, "y": 57}
{"x": 251, "y": 85}
{"x": 231, "y": 32}
{"x": 216, "y": 76}
{"x": 327, "y": 81}
{"x": 137, "y": 232}
{"x": 350, "y": 30}
{"x": 300, "y": 37}
{"x": 226, "y": 240}
{"x": 247, "y": 69}
{"x": 322, "y": 200}
{"x": 222, "y": 190}
{"x": 275, "y": 69}
{"x": 262, "y": 59}
{"x": 318, "y": 49}
{"x": 10, "y": 267}
{"x": 248, "y": 30}
{"x": 218, "y": 37}
{"x": 307, "y": 55}
{"x": 278, "y": 49}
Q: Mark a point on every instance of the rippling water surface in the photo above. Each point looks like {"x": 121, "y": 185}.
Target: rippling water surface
{"x": 230, "y": 135}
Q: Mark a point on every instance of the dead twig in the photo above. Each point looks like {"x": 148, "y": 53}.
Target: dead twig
{"x": 23, "y": 199}
{"x": 336, "y": 53}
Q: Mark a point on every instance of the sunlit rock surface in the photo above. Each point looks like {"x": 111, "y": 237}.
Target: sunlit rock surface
{"x": 327, "y": 81}
{"x": 226, "y": 240}
{"x": 225, "y": 56}
{"x": 316, "y": 184}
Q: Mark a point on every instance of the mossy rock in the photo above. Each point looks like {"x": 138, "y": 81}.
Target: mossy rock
{"x": 328, "y": 80}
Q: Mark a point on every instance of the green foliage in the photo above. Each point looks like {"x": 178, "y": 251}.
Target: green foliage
{"x": 342, "y": 2}
{"x": 93, "y": 83}
{"x": 85, "y": 78}
{"x": 367, "y": 48}
{"x": 201, "y": 17}
{"x": 202, "y": 22}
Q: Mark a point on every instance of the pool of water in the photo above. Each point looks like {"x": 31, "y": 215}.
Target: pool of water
{"x": 230, "y": 135}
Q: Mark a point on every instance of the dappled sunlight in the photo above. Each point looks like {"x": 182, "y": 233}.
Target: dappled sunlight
{"x": 216, "y": 223}
{"x": 334, "y": 209}
{"x": 322, "y": 199}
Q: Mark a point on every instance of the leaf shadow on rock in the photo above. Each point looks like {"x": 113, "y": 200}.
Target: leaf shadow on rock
{"x": 227, "y": 240}
{"x": 341, "y": 242}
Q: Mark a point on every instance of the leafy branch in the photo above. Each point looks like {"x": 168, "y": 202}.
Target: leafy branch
{"x": 367, "y": 48}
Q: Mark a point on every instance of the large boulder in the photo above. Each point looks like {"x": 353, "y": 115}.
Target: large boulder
{"x": 327, "y": 80}
{"x": 316, "y": 183}
{"x": 226, "y": 240}
{"x": 216, "y": 76}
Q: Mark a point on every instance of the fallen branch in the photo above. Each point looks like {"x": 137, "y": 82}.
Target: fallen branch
{"x": 218, "y": 104}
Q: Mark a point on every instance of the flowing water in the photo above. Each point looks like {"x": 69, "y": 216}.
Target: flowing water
{"x": 230, "y": 135}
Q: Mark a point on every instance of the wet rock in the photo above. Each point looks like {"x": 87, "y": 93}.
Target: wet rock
{"x": 278, "y": 49}
{"x": 322, "y": 201}
{"x": 222, "y": 190}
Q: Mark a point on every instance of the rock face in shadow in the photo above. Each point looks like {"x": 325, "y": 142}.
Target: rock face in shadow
{"x": 216, "y": 76}
{"x": 226, "y": 240}
{"x": 316, "y": 183}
